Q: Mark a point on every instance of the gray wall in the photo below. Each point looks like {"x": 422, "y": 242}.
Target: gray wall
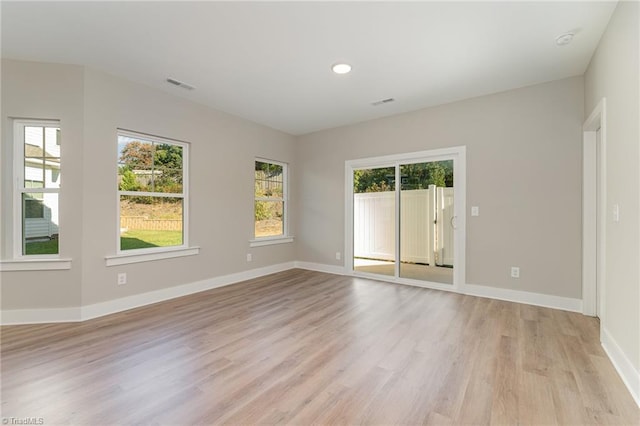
{"x": 91, "y": 106}
{"x": 524, "y": 171}
{"x": 524, "y": 151}
{"x": 614, "y": 74}
{"x": 44, "y": 91}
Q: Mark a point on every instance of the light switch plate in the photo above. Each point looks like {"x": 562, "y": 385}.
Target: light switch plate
{"x": 475, "y": 211}
{"x": 616, "y": 212}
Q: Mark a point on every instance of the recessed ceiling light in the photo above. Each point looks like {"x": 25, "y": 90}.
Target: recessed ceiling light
{"x": 564, "y": 39}
{"x": 341, "y": 68}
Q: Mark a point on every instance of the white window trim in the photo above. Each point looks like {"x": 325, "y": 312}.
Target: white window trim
{"x": 148, "y": 255}
{"x": 274, "y": 239}
{"x": 268, "y": 241}
{"x": 20, "y": 261}
{"x": 39, "y": 264}
{"x": 123, "y": 257}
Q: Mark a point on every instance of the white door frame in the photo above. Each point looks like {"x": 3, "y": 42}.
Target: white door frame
{"x": 458, "y": 154}
{"x": 594, "y": 215}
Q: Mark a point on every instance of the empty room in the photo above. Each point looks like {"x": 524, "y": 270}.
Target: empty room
{"x": 325, "y": 213}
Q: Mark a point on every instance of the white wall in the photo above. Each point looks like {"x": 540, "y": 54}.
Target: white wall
{"x": 614, "y": 74}
{"x": 524, "y": 151}
{"x": 91, "y": 106}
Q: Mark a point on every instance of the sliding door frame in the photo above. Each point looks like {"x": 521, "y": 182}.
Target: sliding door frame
{"x": 458, "y": 155}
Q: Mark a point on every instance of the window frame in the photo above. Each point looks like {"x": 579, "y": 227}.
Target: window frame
{"x": 143, "y": 253}
{"x": 19, "y": 188}
{"x": 285, "y": 237}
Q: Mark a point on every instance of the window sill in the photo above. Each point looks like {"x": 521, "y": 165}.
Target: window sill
{"x": 268, "y": 241}
{"x": 126, "y": 258}
{"x": 35, "y": 265}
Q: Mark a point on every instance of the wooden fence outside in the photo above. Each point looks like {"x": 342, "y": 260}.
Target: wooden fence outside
{"x": 142, "y": 223}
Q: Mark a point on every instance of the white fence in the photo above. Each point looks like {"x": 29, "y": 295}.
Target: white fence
{"x": 426, "y": 228}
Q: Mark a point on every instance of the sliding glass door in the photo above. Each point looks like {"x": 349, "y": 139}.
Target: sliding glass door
{"x": 404, "y": 216}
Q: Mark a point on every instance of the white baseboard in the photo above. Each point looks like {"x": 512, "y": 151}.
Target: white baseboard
{"x": 35, "y": 316}
{"x": 135, "y": 301}
{"x": 528, "y": 298}
{"x": 628, "y": 373}
{"x": 518, "y": 296}
{"x": 74, "y": 314}
{"x": 31, "y": 316}
{"x": 39, "y": 316}
{"x": 321, "y": 267}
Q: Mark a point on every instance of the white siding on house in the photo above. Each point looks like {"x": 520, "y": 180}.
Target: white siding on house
{"x": 48, "y": 225}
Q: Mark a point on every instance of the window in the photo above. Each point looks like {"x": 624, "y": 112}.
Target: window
{"x": 152, "y": 192}
{"x": 37, "y": 154}
{"x": 270, "y": 206}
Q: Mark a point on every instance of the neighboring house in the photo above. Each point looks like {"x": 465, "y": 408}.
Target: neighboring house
{"x": 41, "y": 210}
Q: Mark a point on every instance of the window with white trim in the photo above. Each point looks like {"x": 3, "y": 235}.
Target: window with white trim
{"x": 152, "y": 193}
{"x": 37, "y": 188}
{"x": 270, "y": 199}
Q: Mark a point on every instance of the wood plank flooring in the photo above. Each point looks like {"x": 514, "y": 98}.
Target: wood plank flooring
{"x": 302, "y": 347}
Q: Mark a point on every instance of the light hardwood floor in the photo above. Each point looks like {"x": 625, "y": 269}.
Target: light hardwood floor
{"x": 304, "y": 347}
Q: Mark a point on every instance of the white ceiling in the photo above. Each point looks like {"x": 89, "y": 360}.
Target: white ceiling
{"x": 270, "y": 62}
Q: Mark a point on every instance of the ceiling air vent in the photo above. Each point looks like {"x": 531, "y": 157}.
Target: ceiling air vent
{"x": 383, "y": 101}
{"x": 180, "y": 84}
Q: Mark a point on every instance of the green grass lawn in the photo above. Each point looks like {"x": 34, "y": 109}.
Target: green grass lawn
{"x": 138, "y": 239}
{"x": 42, "y": 247}
{"x": 128, "y": 241}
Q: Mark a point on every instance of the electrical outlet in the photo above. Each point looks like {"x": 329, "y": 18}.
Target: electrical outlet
{"x": 475, "y": 211}
{"x": 338, "y": 255}
{"x": 122, "y": 278}
{"x": 249, "y": 257}
{"x": 515, "y": 272}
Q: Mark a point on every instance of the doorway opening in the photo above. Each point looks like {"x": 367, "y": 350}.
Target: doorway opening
{"x": 594, "y": 199}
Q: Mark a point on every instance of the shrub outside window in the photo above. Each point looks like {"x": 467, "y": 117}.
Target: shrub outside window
{"x": 270, "y": 194}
